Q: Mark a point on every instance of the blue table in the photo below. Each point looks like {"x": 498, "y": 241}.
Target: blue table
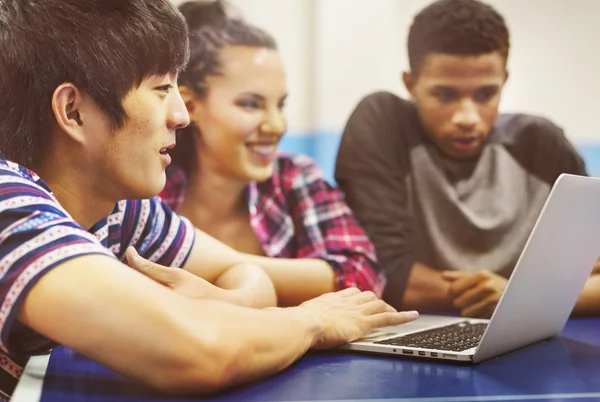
{"x": 565, "y": 368}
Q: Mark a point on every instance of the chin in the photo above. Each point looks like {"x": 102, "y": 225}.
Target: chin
{"x": 465, "y": 156}
{"x": 147, "y": 191}
{"x": 260, "y": 174}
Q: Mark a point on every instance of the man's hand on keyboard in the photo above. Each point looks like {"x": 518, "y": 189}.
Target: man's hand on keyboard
{"x": 349, "y": 314}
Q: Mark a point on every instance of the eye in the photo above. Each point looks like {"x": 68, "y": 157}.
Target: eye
{"x": 446, "y": 95}
{"x": 281, "y": 105}
{"x": 484, "y": 95}
{"x": 165, "y": 88}
{"x": 249, "y": 104}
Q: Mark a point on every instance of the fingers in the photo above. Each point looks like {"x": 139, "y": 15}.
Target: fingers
{"x": 482, "y": 309}
{"x": 348, "y": 292}
{"x": 390, "y": 319}
{"x": 363, "y": 297}
{"x": 154, "y": 271}
{"x": 468, "y": 281}
{"x": 377, "y": 306}
{"x": 451, "y": 276}
{"x": 473, "y": 295}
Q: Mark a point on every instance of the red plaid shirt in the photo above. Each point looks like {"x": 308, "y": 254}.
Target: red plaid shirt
{"x": 297, "y": 214}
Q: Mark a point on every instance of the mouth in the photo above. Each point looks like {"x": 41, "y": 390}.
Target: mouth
{"x": 264, "y": 153}
{"x": 467, "y": 144}
{"x": 165, "y": 150}
{"x": 263, "y": 149}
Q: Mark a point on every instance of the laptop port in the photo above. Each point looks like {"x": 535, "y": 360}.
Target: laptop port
{"x": 448, "y": 355}
{"x": 422, "y": 353}
{"x": 408, "y": 352}
{"x": 434, "y": 354}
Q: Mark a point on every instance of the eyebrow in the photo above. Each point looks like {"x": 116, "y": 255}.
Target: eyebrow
{"x": 452, "y": 87}
{"x": 490, "y": 87}
{"x": 459, "y": 90}
{"x": 260, "y": 97}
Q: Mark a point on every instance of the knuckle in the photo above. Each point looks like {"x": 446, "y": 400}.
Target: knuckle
{"x": 147, "y": 267}
{"x": 379, "y": 305}
{"x": 369, "y": 295}
{"x": 488, "y": 287}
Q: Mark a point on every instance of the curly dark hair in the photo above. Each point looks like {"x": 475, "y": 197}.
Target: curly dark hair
{"x": 456, "y": 27}
{"x": 212, "y": 28}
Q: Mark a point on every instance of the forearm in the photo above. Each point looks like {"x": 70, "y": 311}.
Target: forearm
{"x": 261, "y": 342}
{"x": 589, "y": 299}
{"x": 297, "y": 280}
{"x": 426, "y": 290}
{"x": 111, "y": 314}
{"x": 142, "y": 330}
{"x": 251, "y": 284}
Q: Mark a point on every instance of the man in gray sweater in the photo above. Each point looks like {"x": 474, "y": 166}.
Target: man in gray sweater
{"x": 447, "y": 189}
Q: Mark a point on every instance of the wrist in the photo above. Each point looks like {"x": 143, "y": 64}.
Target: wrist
{"x": 311, "y": 323}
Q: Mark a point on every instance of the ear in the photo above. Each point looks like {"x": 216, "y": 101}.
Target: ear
{"x": 66, "y": 106}
{"x": 409, "y": 82}
{"x": 506, "y": 75}
{"x": 190, "y": 98}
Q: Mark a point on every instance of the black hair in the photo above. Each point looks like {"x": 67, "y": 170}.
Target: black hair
{"x": 456, "y": 27}
{"x": 104, "y": 47}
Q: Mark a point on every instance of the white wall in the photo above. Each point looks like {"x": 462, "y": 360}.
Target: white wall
{"x": 336, "y": 51}
{"x": 554, "y": 59}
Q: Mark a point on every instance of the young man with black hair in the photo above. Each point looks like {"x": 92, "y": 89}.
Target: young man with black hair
{"x": 447, "y": 189}
{"x": 90, "y": 106}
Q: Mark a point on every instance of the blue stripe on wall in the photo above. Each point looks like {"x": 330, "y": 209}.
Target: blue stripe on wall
{"x": 323, "y": 146}
{"x": 591, "y": 155}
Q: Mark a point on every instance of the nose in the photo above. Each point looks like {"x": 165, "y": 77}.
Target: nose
{"x": 178, "y": 113}
{"x": 466, "y": 115}
{"x": 274, "y": 123}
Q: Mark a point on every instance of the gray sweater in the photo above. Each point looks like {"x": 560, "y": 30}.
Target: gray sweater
{"x": 417, "y": 204}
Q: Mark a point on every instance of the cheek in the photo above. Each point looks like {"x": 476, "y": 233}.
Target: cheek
{"x": 489, "y": 113}
{"x": 435, "y": 114}
{"x": 239, "y": 128}
{"x": 246, "y": 124}
{"x": 231, "y": 121}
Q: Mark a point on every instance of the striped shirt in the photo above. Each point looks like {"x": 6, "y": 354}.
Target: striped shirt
{"x": 297, "y": 214}
{"x": 37, "y": 234}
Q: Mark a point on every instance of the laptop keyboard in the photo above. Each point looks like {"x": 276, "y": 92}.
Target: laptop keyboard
{"x": 456, "y": 338}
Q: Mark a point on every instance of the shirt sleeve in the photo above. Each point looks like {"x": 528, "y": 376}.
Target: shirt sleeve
{"x": 36, "y": 235}
{"x": 156, "y": 232}
{"x": 372, "y": 169}
{"x": 568, "y": 159}
{"x": 326, "y": 229}
{"x": 541, "y": 147}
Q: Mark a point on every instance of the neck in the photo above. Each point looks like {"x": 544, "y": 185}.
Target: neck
{"x": 76, "y": 190}
{"x": 214, "y": 196}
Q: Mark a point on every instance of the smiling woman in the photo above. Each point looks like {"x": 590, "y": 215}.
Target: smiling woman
{"x": 230, "y": 180}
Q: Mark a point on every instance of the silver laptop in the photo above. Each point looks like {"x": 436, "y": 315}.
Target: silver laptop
{"x": 541, "y": 292}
